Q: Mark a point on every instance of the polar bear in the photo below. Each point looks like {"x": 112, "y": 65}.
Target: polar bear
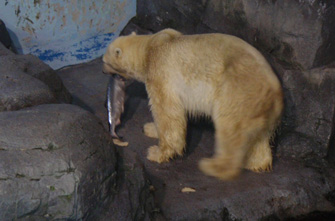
{"x": 217, "y": 75}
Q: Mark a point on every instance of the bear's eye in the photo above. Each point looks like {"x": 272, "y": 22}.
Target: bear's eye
{"x": 118, "y": 52}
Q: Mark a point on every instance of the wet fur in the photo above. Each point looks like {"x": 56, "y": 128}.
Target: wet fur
{"x": 213, "y": 74}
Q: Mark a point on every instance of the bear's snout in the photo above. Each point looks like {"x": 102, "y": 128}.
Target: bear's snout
{"x": 105, "y": 69}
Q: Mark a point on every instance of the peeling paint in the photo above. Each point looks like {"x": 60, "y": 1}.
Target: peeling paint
{"x": 87, "y": 49}
{"x": 38, "y": 15}
{"x": 36, "y": 2}
{"x": 65, "y": 32}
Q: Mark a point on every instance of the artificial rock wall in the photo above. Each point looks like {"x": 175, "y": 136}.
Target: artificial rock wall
{"x": 65, "y": 32}
{"x": 296, "y": 37}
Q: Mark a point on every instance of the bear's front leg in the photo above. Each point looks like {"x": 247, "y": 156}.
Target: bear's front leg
{"x": 170, "y": 120}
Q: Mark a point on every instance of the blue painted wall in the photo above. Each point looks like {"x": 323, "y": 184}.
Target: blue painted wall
{"x": 65, "y": 32}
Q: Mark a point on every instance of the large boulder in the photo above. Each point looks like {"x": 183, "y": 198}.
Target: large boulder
{"x": 36, "y": 68}
{"x": 132, "y": 199}
{"x": 306, "y": 131}
{"x": 56, "y": 162}
{"x": 27, "y": 81}
{"x": 19, "y": 90}
{"x": 298, "y": 32}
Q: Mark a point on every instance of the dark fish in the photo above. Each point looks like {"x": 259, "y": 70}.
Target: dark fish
{"x": 115, "y": 102}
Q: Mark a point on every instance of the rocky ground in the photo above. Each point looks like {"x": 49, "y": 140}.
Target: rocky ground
{"x": 297, "y": 38}
{"x": 57, "y": 160}
{"x": 291, "y": 190}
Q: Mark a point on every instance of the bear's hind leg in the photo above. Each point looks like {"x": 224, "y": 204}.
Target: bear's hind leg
{"x": 259, "y": 157}
{"x": 226, "y": 164}
{"x": 231, "y": 144}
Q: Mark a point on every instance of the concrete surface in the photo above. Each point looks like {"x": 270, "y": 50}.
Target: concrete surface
{"x": 65, "y": 32}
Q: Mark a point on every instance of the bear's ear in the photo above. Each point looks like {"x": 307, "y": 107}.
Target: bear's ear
{"x": 118, "y": 52}
{"x": 133, "y": 33}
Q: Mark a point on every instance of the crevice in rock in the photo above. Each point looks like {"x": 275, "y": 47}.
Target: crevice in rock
{"x": 331, "y": 145}
{"x": 226, "y": 216}
{"x": 51, "y": 147}
{"x": 331, "y": 197}
{"x": 18, "y": 175}
{"x": 91, "y": 155}
{"x": 67, "y": 171}
{"x": 29, "y": 213}
{"x": 315, "y": 215}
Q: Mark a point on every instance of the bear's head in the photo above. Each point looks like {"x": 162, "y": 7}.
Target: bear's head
{"x": 122, "y": 57}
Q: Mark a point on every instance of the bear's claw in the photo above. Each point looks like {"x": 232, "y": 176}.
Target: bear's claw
{"x": 156, "y": 155}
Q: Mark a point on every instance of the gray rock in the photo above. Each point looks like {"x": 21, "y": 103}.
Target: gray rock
{"x": 297, "y": 32}
{"x": 27, "y": 81}
{"x": 36, "y": 68}
{"x": 133, "y": 27}
{"x": 19, "y": 90}
{"x": 185, "y": 15}
{"x": 56, "y": 162}
{"x": 307, "y": 125}
{"x": 4, "y": 51}
{"x": 291, "y": 190}
{"x": 132, "y": 198}
{"x": 279, "y": 195}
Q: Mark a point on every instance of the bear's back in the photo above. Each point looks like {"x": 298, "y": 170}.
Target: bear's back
{"x": 206, "y": 55}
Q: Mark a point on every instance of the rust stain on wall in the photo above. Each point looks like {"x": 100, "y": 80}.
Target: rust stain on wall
{"x": 36, "y": 2}
{"x": 58, "y": 9}
{"x": 38, "y": 15}
{"x": 64, "y": 22}
{"x": 75, "y": 16}
{"x": 29, "y": 29}
{"x": 17, "y": 11}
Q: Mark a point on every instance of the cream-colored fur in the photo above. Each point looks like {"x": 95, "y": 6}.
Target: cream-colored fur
{"x": 150, "y": 130}
{"x": 212, "y": 74}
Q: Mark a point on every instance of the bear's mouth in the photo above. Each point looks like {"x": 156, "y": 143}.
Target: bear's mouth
{"x": 110, "y": 70}
{"x": 107, "y": 68}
